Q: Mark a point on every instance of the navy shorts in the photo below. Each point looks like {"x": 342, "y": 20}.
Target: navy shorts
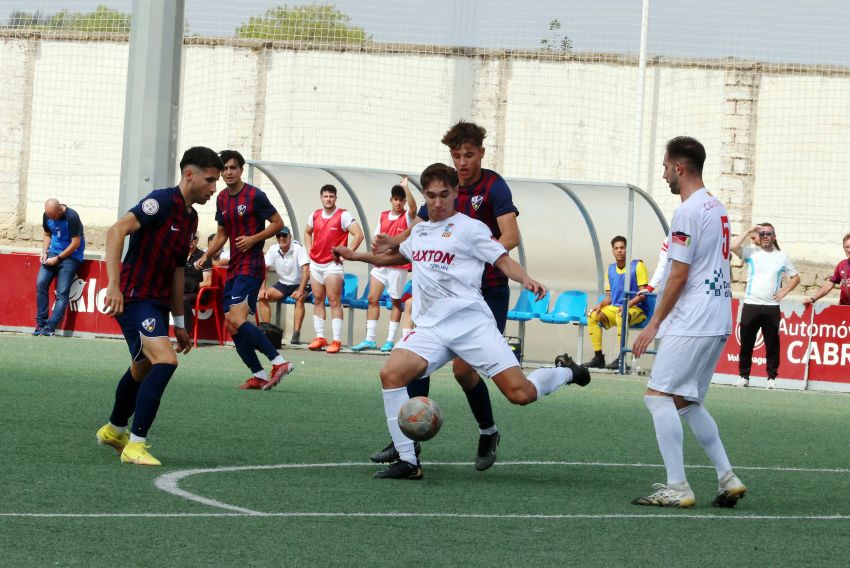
{"x": 241, "y": 289}
{"x": 285, "y": 289}
{"x": 142, "y": 318}
{"x": 498, "y": 299}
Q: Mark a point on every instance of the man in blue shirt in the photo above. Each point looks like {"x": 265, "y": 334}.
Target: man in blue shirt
{"x": 61, "y": 256}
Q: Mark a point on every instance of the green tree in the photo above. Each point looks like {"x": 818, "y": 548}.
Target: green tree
{"x": 102, "y": 19}
{"x": 316, "y": 22}
{"x": 557, "y": 42}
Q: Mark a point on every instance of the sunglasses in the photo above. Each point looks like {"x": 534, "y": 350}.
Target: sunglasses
{"x": 765, "y": 234}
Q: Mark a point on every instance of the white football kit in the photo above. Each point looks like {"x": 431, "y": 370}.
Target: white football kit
{"x": 451, "y": 316}
{"x": 696, "y": 329}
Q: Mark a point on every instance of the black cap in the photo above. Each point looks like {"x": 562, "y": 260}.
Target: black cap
{"x": 284, "y": 232}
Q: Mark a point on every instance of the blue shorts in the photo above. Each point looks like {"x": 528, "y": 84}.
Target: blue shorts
{"x": 241, "y": 289}
{"x": 143, "y": 318}
{"x": 498, "y": 299}
{"x": 285, "y": 289}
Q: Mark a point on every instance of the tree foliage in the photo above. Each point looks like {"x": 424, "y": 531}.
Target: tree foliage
{"x": 558, "y": 42}
{"x": 313, "y": 23}
{"x": 102, "y": 19}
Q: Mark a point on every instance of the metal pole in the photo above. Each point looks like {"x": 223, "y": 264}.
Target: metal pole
{"x": 808, "y": 349}
{"x": 644, "y": 28}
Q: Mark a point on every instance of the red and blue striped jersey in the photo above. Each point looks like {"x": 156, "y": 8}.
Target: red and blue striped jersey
{"x": 244, "y": 215}
{"x": 486, "y": 200}
{"x": 159, "y": 247}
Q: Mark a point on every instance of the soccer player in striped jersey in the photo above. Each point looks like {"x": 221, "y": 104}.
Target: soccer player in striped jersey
{"x": 242, "y": 211}
{"x": 483, "y": 195}
{"x": 389, "y": 278}
{"x": 143, "y": 289}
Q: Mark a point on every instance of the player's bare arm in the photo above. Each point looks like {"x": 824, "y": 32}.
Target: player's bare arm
{"x": 178, "y": 282}
{"x": 675, "y": 285}
{"x": 246, "y": 242}
{"x": 308, "y": 238}
{"x": 215, "y": 246}
{"x": 824, "y": 290}
{"x": 383, "y": 259}
{"x": 356, "y": 233}
{"x": 383, "y": 242}
{"x": 514, "y": 270}
{"x": 126, "y": 225}
{"x": 411, "y": 201}
{"x": 510, "y": 231}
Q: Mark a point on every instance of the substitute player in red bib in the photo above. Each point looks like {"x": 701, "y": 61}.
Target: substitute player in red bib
{"x": 242, "y": 211}
{"x": 840, "y": 277}
{"x": 448, "y": 253}
{"x": 143, "y": 289}
{"x": 389, "y": 278}
{"x": 328, "y": 227}
{"x": 694, "y": 318}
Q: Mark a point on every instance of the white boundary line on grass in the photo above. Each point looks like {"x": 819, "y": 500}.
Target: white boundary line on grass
{"x": 169, "y": 483}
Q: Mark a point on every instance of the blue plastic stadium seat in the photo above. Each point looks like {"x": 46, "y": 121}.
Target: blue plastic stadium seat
{"x": 570, "y": 307}
{"x": 527, "y": 307}
{"x": 362, "y": 302}
{"x": 388, "y": 302}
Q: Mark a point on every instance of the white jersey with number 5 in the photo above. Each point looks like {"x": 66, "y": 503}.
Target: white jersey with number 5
{"x": 448, "y": 259}
{"x": 699, "y": 237}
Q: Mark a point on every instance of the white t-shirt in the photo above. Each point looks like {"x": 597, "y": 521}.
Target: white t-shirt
{"x": 287, "y": 265}
{"x": 448, "y": 260}
{"x": 764, "y": 274}
{"x": 345, "y": 220}
{"x": 699, "y": 236}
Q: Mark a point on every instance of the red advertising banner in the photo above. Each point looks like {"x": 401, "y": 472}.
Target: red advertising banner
{"x": 85, "y": 314}
{"x": 816, "y": 334}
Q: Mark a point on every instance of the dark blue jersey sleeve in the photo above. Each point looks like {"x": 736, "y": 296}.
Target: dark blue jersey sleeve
{"x": 501, "y": 198}
{"x": 153, "y": 209}
{"x": 44, "y": 224}
{"x": 75, "y": 225}
{"x": 263, "y": 208}
{"x": 423, "y": 213}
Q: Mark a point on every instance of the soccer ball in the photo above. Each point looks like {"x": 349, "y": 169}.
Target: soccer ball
{"x": 420, "y": 418}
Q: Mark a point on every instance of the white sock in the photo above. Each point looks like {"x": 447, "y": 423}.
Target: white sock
{"x": 548, "y": 380}
{"x": 336, "y": 326}
{"x": 393, "y": 400}
{"x": 319, "y": 325}
{"x": 134, "y": 438}
{"x": 279, "y": 360}
{"x": 489, "y": 431}
{"x": 393, "y": 330}
{"x": 668, "y": 432}
{"x": 371, "y": 328}
{"x": 708, "y": 436}
{"x": 119, "y": 429}
{"x": 261, "y": 374}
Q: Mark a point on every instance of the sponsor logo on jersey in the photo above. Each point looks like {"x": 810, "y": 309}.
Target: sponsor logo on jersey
{"x": 149, "y": 324}
{"x": 447, "y": 230}
{"x": 477, "y": 200}
{"x": 241, "y": 209}
{"x": 150, "y": 206}
{"x": 438, "y": 256}
{"x": 718, "y": 286}
{"x": 680, "y": 238}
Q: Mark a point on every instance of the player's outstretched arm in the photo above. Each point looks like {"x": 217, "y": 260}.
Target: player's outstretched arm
{"x": 385, "y": 259}
{"x": 514, "y": 270}
{"x": 411, "y": 201}
{"x": 126, "y": 225}
{"x": 383, "y": 242}
{"x": 216, "y": 245}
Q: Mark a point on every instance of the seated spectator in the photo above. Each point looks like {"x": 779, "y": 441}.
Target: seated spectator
{"x": 192, "y": 278}
{"x": 292, "y": 266}
{"x": 61, "y": 257}
{"x": 609, "y": 312}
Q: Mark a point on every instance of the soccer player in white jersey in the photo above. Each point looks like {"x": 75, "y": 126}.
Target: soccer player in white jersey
{"x": 694, "y": 317}
{"x": 448, "y": 253}
{"x": 766, "y": 266}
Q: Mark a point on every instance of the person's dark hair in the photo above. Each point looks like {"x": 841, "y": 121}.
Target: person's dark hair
{"x": 328, "y": 188}
{"x": 775, "y": 242}
{"x": 687, "y": 149}
{"x": 201, "y": 157}
{"x": 844, "y": 240}
{"x": 438, "y": 172}
{"x": 462, "y": 133}
{"x": 211, "y": 237}
{"x": 227, "y": 155}
{"x": 619, "y": 239}
{"x": 398, "y": 192}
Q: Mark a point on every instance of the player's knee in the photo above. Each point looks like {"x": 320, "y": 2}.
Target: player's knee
{"x": 391, "y": 379}
{"x": 522, "y": 394}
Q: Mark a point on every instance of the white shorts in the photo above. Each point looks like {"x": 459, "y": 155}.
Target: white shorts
{"x": 393, "y": 280}
{"x": 685, "y": 365}
{"x": 318, "y": 272}
{"x": 469, "y": 334}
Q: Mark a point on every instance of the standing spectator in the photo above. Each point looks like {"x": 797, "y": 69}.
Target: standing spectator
{"x": 140, "y": 293}
{"x": 292, "y": 266}
{"x": 192, "y": 279}
{"x": 609, "y": 311}
{"x": 841, "y": 277}
{"x": 766, "y": 267}
{"x": 61, "y": 256}
{"x": 694, "y": 317}
{"x": 328, "y": 227}
{"x": 241, "y": 212}
{"x": 391, "y": 278}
